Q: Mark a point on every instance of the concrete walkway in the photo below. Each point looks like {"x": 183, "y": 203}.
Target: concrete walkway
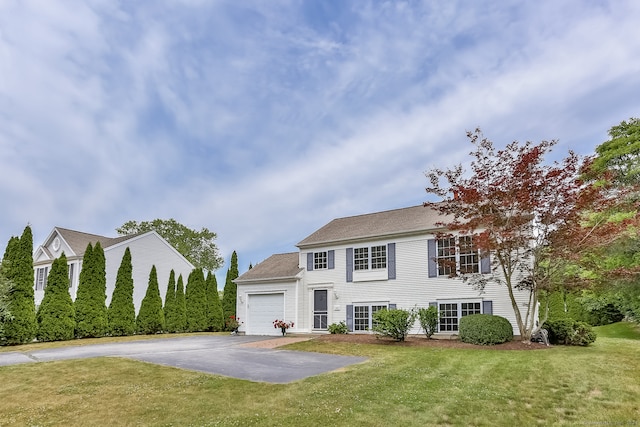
{"x": 252, "y": 358}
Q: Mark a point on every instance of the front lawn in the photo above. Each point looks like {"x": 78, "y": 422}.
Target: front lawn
{"x": 599, "y": 384}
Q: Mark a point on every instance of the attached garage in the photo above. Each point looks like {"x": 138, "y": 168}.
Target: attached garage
{"x": 262, "y": 310}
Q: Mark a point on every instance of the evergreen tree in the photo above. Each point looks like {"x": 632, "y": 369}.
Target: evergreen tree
{"x": 230, "y": 289}
{"x": 56, "y": 320}
{"x": 90, "y": 308}
{"x": 196, "y": 302}
{"x": 215, "y": 320}
{"x": 122, "y": 313}
{"x": 181, "y": 307}
{"x": 151, "y": 317}
{"x": 22, "y": 327}
{"x": 170, "y": 319}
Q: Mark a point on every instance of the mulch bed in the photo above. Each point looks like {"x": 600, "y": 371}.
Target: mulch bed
{"x": 422, "y": 341}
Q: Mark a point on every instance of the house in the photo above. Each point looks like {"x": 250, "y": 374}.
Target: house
{"x": 354, "y": 266}
{"x": 147, "y": 249}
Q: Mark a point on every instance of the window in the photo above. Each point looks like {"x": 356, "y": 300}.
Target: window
{"x": 468, "y": 256}
{"x": 363, "y": 316}
{"x": 465, "y": 258}
{"x": 70, "y": 276}
{"x": 446, "y": 256}
{"x": 319, "y": 260}
{"x": 41, "y": 278}
{"x": 361, "y": 259}
{"x": 378, "y": 257}
{"x": 450, "y": 314}
{"x": 378, "y": 260}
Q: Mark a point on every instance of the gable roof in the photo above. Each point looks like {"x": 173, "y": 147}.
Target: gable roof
{"x": 276, "y": 267}
{"x": 78, "y": 240}
{"x": 410, "y": 220}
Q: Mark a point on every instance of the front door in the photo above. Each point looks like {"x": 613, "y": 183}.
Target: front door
{"x": 320, "y": 307}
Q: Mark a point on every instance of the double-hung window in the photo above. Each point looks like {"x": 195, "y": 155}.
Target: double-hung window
{"x": 41, "y": 278}
{"x": 373, "y": 258}
{"x": 319, "y": 260}
{"x": 452, "y": 312}
{"x": 363, "y": 316}
{"x": 457, "y": 256}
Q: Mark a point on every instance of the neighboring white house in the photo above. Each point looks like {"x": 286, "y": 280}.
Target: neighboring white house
{"x": 147, "y": 249}
{"x": 354, "y": 266}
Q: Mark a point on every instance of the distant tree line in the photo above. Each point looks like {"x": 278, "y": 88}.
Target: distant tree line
{"x": 196, "y": 307}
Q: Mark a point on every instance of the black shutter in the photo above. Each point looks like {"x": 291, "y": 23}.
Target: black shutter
{"x": 350, "y": 318}
{"x": 487, "y": 307}
{"x": 485, "y": 263}
{"x": 310, "y": 261}
{"x": 349, "y": 264}
{"x": 331, "y": 259}
{"x": 391, "y": 261}
{"x": 432, "y": 253}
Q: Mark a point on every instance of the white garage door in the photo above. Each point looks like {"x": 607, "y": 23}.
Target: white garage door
{"x": 262, "y": 310}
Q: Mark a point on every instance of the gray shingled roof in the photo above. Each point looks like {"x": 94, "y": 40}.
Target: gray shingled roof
{"x": 279, "y": 266}
{"x": 78, "y": 240}
{"x": 388, "y": 223}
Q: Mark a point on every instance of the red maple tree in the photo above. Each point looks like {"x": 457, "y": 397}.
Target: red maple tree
{"x": 522, "y": 211}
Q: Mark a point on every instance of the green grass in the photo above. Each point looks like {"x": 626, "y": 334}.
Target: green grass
{"x": 595, "y": 385}
{"x": 624, "y": 330}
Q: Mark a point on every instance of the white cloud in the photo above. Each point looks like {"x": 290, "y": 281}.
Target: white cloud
{"x": 262, "y": 121}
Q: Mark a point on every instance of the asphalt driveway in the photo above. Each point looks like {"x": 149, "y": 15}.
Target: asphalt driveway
{"x": 222, "y": 355}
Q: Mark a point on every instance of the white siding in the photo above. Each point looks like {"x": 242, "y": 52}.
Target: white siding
{"x": 411, "y": 288}
{"x": 146, "y": 250}
{"x": 292, "y": 309}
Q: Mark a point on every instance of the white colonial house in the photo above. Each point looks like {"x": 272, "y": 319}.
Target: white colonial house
{"x": 147, "y": 249}
{"x": 354, "y": 266}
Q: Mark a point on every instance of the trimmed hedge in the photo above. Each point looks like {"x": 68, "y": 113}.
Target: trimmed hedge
{"x": 485, "y": 329}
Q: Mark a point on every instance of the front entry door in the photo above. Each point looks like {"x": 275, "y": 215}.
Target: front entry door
{"x": 320, "y": 307}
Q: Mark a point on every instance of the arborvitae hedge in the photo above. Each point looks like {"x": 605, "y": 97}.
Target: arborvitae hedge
{"x": 56, "y": 320}
{"x": 151, "y": 317}
{"x": 181, "y": 307}
{"x": 91, "y": 311}
{"x": 170, "y": 318}
{"x": 196, "y": 301}
{"x": 122, "y": 312}
{"x": 215, "y": 320}
{"x": 230, "y": 289}
{"x": 19, "y": 258}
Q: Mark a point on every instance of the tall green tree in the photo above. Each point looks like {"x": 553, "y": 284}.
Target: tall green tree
{"x": 170, "y": 313}
{"x": 56, "y": 319}
{"x": 197, "y": 246}
{"x": 181, "y": 306}
{"x": 90, "y": 305}
{"x": 6, "y": 286}
{"x": 621, "y": 153}
{"x": 122, "y": 312}
{"x": 230, "y": 289}
{"x": 22, "y": 327}
{"x": 215, "y": 320}
{"x": 196, "y": 301}
{"x": 151, "y": 316}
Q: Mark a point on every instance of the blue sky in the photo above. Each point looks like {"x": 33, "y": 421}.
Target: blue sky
{"x": 262, "y": 121}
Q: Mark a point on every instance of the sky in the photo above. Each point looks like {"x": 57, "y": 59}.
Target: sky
{"x": 264, "y": 120}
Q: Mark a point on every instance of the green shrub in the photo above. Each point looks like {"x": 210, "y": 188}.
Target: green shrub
{"x": 338, "y": 328}
{"x": 428, "y": 318}
{"x": 485, "y": 329}
{"x": 569, "y": 332}
{"x": 394, "y": 323}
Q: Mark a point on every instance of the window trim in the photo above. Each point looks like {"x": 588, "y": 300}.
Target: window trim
{"x": 370, "y": 312}
{"x": 321, "y": 260}
{"x": 460, "y": 253}
{"x": 454, "y": 322}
